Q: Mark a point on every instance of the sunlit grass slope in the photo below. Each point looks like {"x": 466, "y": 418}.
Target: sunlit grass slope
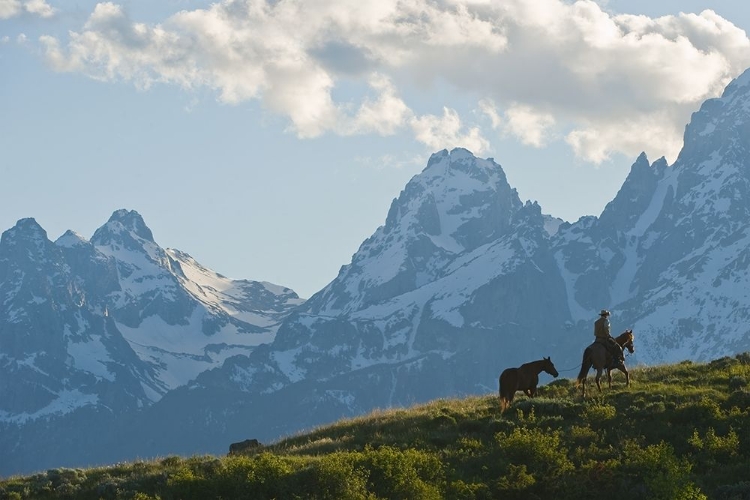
{"x": 679, "y": 432}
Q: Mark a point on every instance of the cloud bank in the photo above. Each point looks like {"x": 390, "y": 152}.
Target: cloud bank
{"x": 13, "y": 8}
{"x": 539, "y": 71}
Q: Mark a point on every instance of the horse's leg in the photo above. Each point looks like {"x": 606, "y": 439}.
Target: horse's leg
{"x": 501, "y": 396}
{"x": 627, "y": 375}
{"x": 585, "y": 367}
{"x": 609, "y": 377}
{"x": 598, "y": 377}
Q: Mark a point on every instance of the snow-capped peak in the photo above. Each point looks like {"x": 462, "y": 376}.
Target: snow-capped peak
{"x": 26, "y": 240}
{"x": 133, "y": 222}
{"x": 71, "y": 239}
{"x": 451, "y": 198}
{"x": 26, "y": 229}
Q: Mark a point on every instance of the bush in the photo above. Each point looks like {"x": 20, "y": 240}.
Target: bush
{"x": 539, "y": 450}
{"x": 599, "y": 413}
{"x": 739, "y": 400}
{"x": 737, "y": 382}
{"x": 336, "y": 476}
{"x": 260, "y": 476}
{"x": 716, "y": 447}
{"x": 171, "y": 461}
{"x": 658, "y": 469}
{"x": 403, "y": 474}
{"x": 737, "y": 491}
{"x": 460, "y": 490}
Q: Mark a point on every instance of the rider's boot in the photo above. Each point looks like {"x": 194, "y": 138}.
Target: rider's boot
{"x": 616, "y": 351}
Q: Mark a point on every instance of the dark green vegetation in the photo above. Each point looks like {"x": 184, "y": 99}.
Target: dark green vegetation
{"x": 680, "y": 432}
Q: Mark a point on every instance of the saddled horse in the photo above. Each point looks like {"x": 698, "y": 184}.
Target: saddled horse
{"x": 598, "y": 356}
{"x": 524, "y": 378}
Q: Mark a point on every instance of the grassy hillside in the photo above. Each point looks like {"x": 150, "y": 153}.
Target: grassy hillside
{"x": 679, "y": 432}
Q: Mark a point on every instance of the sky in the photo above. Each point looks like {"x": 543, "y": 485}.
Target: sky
{"x": 268, "y": 139}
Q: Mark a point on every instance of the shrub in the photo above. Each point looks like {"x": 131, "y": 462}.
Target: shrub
{"x": 737, "y": 382}
{"x": 717, "y": 447}
{"x": 336, "y": 476}
{"x": 517, "y": 478}
{"x": 171, "y": 461}
{"x": 187, "y": 485}
{"x": 460, "y": 490}
{"x": 722, "y": 363}
{"x": 658, "y": 469}
{"x": 582, "y": 435}
{"x": 739, "y": 399}
{"x": 266, "y": 474}
{"x": 403, "y": 474}
{"x": 599, "y": 412}
{"x": 698, "y": 413}
{"x": 539, "y": 450}
{"x": 144, "y": 496}
{"x": 737, "y": 491}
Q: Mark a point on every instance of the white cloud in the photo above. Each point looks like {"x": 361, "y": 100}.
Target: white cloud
{"x": 10, "y": 8}
{"x": 649, "y": 132}
{"x": 39, "y": 7}
{"x": 528, "y": 125}
{"x": 385, "y": 115}
{"x": 539, "y": 68}
{"x": 447, "y": 132}
{"x": 13, "y": 8}
{"x": 487, "y": 106}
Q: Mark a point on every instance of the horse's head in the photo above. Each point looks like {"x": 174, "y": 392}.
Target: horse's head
{"x": 549, "y": 367}
{"x": 626, "y": 340}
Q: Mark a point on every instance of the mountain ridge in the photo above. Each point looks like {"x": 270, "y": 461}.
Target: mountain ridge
{"x": 461, "y": 280}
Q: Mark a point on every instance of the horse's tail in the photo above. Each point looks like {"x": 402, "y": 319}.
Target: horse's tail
{"x": 585, "y": 365}
{"x": 504, "y": 401}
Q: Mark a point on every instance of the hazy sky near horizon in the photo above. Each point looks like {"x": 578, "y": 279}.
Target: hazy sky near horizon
{"x": 268, "y": 138}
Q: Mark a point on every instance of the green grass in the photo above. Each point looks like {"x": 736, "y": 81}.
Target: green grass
{"x": 679, "y": 432}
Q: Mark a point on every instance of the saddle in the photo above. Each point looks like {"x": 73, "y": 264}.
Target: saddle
{"x": 612, "y": 347}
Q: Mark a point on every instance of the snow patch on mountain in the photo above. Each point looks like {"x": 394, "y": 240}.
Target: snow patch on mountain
{"x": 90, "y": 356}
{"x": 230, "y": 296}
{"x": 66, "y": 401}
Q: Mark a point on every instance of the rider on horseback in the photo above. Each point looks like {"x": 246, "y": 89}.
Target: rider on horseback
{"x": 601, "y": 332}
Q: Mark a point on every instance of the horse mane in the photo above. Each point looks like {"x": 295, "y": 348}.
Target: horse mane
{"x": 532, "y": 363}
{"x": 625, "y": 337}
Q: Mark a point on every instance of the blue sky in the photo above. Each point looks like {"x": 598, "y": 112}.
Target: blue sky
{"x": 268, "y": 139}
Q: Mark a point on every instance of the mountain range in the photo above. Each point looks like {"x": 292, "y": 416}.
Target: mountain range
{"x": 114, "y": 348}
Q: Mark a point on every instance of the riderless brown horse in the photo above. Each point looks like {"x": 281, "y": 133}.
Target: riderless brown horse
{"x": 524, "y": 378}
{"x": 598, "y": 356}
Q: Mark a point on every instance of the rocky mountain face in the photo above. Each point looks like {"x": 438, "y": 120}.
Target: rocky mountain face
{"x": 93, "y": 330}
{"x": 670, "y": 253}
{"x": 463, "y": 280}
